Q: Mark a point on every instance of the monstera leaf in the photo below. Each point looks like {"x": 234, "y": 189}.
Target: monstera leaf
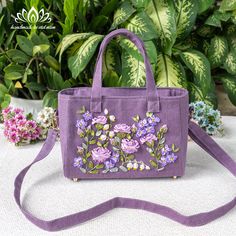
{"x": 186, "y": 16}
{"x": 162, "y": 13}
{"x": 79, "y": 61}
{"x": 200, "y": 67}
{"x": 230, "y": 63}
{"x": 169, "y": 72}
{"x": 141, "y": 25}
{"x": 133, "y": 71}
{"x": 217, "y": 51}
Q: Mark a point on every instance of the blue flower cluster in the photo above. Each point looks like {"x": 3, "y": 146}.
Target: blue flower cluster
{"x": 147, "y": 126}
{"x": 206, "y": 117}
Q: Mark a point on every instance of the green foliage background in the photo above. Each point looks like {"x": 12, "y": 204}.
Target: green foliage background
{"x": 190, "y": 44}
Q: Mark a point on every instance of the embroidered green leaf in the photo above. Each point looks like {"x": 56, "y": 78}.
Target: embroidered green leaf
{"x": 229, "y": 83}
{"x": 162, "y": 14}
{"x": 174, "y": 149}
{"x": 82, "y": 110}
{"x": 94, "y": 171}
{"x": 79, "y": 61}
{"x": 133, "y": 73}
{"x": 82, "y": 170}
{"x": 169, "y": 72}
{"x": 136, "y": 118}
{"x": 153, "y": 163}
{"x": 84, "y": 146}
{"x": 230, "y": 63}
{"x": 141, "y": 25}
{"x": 200, "y": 66}
{"x": 88, "y": 154}
{"x": 228, "y": 5}
{"x": 162, "y": 141}
{"x": 115, "y": 169}
{"x": 90, "y": 165}
{"x": 86, "y": 139}
{"x": 92, "y": 141}
{"x": 217, "y": 51}
{"x": 99, "y": 144}
{"x": 68, "y": 40}
{"x": 122, "y": 14}
{"x": 124, "y": 169}
{"x": 100, "y": 166}
{"x": 186, "y": 16}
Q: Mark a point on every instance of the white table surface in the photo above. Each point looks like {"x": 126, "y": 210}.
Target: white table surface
{"x": 205, "y": 186}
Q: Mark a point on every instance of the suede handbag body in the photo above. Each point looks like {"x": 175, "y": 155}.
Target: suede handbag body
{"x": 115, "y": 133}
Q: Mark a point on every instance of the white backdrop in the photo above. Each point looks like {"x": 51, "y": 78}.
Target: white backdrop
{"x": 46, "y": 193}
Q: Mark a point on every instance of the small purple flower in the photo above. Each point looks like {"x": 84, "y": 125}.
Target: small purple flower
{"x": 148, "y": 138}
{"x": 99, "y": 120}
{"x": 87, "y": 116}
{"x": 165, "y": 150}
{"x": 140, "y": 133}
{"x": 171, "y": 158}
{"x": 100, "y": 154}
{"x": 81, "y": 124}
{"x": 78, "y": 162}
{"x": 163, "y": 161}
{"x": 129, "y": 146}
{"x": 143, "y": 123}
{"x": 115, "y": 157}
{"x": 122, "y": 128}
{"x": 109, "y": 164}
{"x": 153, "y": 120}
{"x": 150, "y": 129}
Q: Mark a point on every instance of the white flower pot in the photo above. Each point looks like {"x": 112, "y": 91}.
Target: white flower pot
{"x": 29, "y": 106}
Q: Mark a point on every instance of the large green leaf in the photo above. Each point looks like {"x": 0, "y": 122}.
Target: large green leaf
{"x": 230, "y": 63}
{"x": 204, "y": 5}
{"x": 69, "y": 39}
{"x": 79, "y": 61}
{"x": 232, "y": 43}
{"x": 133, "y": 71}
{"x": 186, "y": 16}
{"x": 141, "y": 25}
{"x": 217, "y": 51}
{"x": 50, "y": 99}
{"x": 18, "y": 56}
{"x": 25, "y": 44}
{"x": 169, "y": 72}
{"x": 122, "y": 14}
{"x": 200, "y": 67}
{"x": 139, "y": 3}
{"x": 228, "y": 5}
{"x": 162, "y": 14}
{"x": 229, "y": 83}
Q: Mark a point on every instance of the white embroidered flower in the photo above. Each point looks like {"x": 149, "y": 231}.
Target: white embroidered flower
{"x": 129, "y": 166}
{"x": 103, "y": 137}
{"x": 111, "y": 134}
{"x": 112, "y": 118}
{"x": 142, "y": 167}
{"x": 106, "y": 127}
{"x": 147, "y": 168}
{"x": 135, "y": 166}
{"x": 105, "y": 111}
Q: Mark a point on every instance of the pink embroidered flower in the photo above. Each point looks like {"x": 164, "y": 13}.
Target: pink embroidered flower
{"x": 100, "y": 154}
{"x": 99, "y": 120}
{"x": 148, "y": 138}
{"x": 18, "y": 111}
{"x": 129, "y": 146}
{"x": 122, "y": 128}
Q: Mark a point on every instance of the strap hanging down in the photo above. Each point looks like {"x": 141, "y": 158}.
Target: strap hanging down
{"x": 196, "y": 133}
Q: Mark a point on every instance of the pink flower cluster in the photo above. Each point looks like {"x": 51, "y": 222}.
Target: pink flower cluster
{"x": 17, "y": 129}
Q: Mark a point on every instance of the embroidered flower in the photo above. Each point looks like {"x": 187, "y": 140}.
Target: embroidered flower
{"x": 112, "y": 118}
{"x": 79, "y": 131}
{"x": 148, "y": 138}
{"x": 111, "y": 134}
{"x": 99, "y": 120}
{"x": 106, "y": 127}
{"x": 78, "y": 162}
{"x": 87, "y": 116}
{"x": 150, "y": 129}
{"x": 100, "y": 154}
{"x": 135, "y": 166}
{"x": 133, "y": 128}
{"x": 115, "y": 157}
{"x": 80, "y": 150}
{"x": 163, "y": 129}
{"x": 103, "y": 137}
{"x": 105, "y": 111}
{"x": 163, "y": 161}
{"x": 171, "y": 158}
{"x": 122, "y": 128}
{"x": 81, "y": 124}
{"x": 109, "y": 164}
{"x": 165, "y": 150}
{"x": 129, "y": 166}
{"x": 153, "y": 120}
{"x": 141, "y": 132}
{"x": 129, "y": 146}
{"x": 142, "y": 123}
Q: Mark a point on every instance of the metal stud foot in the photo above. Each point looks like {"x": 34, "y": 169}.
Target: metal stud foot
{"x": 75, "y": 179}
{"x": 174, "y": 177}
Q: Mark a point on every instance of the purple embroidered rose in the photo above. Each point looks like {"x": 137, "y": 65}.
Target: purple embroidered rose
{"x": 100, "y": 154}
{"x": 148, "y": 138}
{"x": 153, "y": 120}
{"x": 140, "y": 133}
{"x": 142, "y": 123}
{"x": 78, "y": 162}
{"x": 129, "y": 146}
{"x": 99, "y": 120}
{"x": 87, "y": 116}
{"x": 122, "y": 128}
{"x": 150, "y": 129}
{"x": 81, "y": 124}
{"x": 171, "y": 158}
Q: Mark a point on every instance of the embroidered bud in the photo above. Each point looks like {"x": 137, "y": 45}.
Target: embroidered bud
{"x": 103, "y": 137}
{"x": 112, "y": 118}
{"x": 135, "y": 166}
{"x": 105, "y": 111}
{"x": 142, "y": 167}
{"x": 129, "y": 166}
{"x": 111, "y": 134}
{"x": 147, "y": 168}
{"x": 106, "y": 127}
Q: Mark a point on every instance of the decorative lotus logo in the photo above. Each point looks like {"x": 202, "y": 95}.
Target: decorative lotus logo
{"x": 33, "y": 16}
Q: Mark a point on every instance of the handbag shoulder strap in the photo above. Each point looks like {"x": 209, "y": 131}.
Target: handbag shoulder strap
{"x": 196, "y": 133}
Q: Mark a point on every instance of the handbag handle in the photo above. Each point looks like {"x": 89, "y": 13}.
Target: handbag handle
{"x": 195, "y": 132}
{"x": 151, "y": 91}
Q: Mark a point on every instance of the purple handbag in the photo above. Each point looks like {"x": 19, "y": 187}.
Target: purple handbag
{"x": 125, "y": 133}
